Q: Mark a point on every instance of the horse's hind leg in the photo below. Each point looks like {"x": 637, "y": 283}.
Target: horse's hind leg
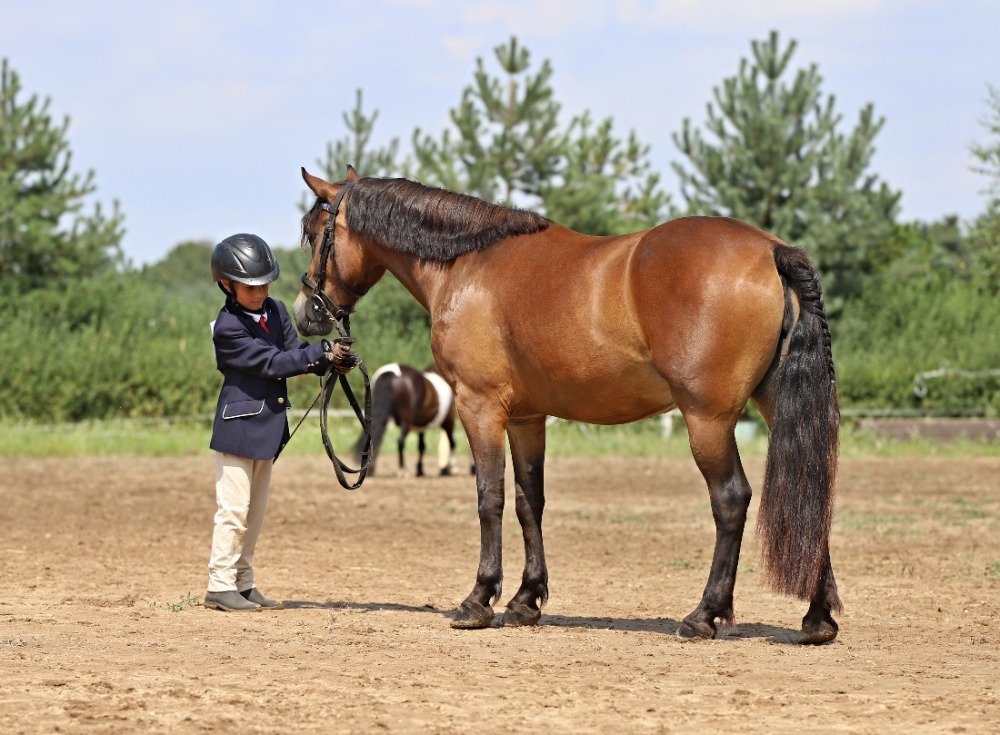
{"x": 818, "y": 625}
{"x": 714, "y": 447}
{"x": 404, "y": 429}
{"x": 527, "y": 450}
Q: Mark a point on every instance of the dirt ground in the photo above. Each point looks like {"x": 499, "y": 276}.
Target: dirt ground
{"x": 102, "y": 568}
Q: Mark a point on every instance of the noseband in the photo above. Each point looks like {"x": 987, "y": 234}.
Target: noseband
{"x": 321, "y": 307}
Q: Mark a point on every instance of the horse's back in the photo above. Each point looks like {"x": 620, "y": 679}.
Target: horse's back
{"x": 602, "y": 329}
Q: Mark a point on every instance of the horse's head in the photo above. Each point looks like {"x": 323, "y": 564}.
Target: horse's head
{"x": 340, "y": 271}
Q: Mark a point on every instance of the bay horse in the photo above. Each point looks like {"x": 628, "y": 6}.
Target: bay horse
{"x": 415, "y": 401}
{"x": 530, "y": 319}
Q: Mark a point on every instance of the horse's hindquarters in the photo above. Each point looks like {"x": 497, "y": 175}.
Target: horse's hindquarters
{"x": 711, "y": 304}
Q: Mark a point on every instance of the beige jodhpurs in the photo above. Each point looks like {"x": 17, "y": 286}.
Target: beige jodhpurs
{"x": 241, "y": 487}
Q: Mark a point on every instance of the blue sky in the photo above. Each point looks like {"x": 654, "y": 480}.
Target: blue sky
{"x": 196, "y": 116}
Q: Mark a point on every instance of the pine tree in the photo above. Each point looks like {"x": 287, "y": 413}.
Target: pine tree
{"x": 985, "y": 235}
{"x": 606, "y": 185}
{"x": 507, "y": 145}
{"x": 46, "y": 238}
{"x": 354, "y": 148}
{"x": 506, "y": 141}
{"x": 773, "y": 155}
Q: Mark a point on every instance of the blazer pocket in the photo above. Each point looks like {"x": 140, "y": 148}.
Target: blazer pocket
{"x": 242, "y": 409}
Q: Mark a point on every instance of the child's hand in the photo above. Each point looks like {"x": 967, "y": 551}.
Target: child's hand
{"x": 342, "y": 357}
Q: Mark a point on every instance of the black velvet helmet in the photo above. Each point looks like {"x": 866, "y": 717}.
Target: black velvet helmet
{"x": 244, "y": 258}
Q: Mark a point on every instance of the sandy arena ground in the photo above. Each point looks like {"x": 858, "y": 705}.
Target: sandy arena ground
{"x": 98, "y": 633}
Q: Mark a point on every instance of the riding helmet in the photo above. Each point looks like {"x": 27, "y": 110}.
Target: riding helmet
{"x": 245, "y": 258}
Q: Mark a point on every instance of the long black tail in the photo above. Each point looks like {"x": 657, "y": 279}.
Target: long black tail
{"x": 381, "y": 410}
{"x": 796, "y": 505}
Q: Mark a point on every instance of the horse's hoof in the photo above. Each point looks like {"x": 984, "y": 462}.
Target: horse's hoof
{"x": 518, "y": 615}
{"x": 445, "y": 471}
{"x": 817, "y": 632}
{"x": 472, "y": 616}
{"x": 696, "y": 628}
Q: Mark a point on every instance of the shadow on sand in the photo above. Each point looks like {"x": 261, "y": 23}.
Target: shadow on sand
{"x": 666, "y": 626}
{"x": 669, "y": 626}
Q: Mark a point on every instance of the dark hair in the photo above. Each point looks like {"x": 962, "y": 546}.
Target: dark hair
{"x": 431, "y": 223}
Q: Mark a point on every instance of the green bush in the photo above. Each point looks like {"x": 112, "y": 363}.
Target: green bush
{"x": 902, "y": 327}
{"x": 138, "y": 344}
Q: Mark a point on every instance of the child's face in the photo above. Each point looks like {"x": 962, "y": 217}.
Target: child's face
{"x": 250, "y": 297}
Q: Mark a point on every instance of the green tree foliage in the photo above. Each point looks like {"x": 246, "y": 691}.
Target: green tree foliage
{"x": 606, "y": 185}
{"x": 46, "y": 238}
{"x": 985, "y": 234}
{"x": 904, "y": 326}
{"x": 931, "y": 305}
{"x": 508, "y": 145}
{"x": 506, "y": 133}
{"x": 921, "y": 251}
{"x": 185, "y": 270}
{"x": 772, "y": 154}
{"x": 988, "y": 154}
{"x": 355, "y": 148}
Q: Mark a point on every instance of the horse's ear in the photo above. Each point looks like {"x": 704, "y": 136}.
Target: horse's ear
{"x": 352, "y": 175}
{"x": 322, "y": 189}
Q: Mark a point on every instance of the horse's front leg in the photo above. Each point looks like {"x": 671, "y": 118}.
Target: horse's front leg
{"x": 485, "y": 428}
{"x": 421, "y": 448}
{"x": 446, "y": 448}
{"x": 527, "y": 450}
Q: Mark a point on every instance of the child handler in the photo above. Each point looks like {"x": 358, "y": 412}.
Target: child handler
{"x": 256, "y": 348}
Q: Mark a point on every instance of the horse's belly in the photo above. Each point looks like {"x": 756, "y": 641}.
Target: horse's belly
{"x": 628, "y": 394}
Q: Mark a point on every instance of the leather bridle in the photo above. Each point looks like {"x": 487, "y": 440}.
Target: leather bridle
{"x": 325, "y": 310}
{"x": 321, "y": 307}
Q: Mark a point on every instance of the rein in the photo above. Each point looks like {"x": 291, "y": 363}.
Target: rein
{"x": 325, "y": 309}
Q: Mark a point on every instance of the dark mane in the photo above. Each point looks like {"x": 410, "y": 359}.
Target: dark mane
{"x": 432, "y": 223}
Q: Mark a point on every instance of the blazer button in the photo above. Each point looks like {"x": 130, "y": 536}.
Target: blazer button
{"x": 281, "y": 400}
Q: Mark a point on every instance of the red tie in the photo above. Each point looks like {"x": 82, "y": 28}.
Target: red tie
{"x": 263, "y": 323}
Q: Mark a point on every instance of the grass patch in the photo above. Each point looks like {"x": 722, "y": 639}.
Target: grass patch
{"x": 184, "y": 603}
{"x": 629, "y": 519}
{"x": 177, "y": 438}
{"x": 855, "y": 442}
{"x": 680, "y": 564}
{"x": 143, "y": 438}
{"x": 882, "y": 524}
{"x": 966, "y": 510}
{"x": 993, "y": 570}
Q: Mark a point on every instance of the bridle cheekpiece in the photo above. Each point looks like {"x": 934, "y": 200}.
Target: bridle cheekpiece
{"x": 321, "y": 307}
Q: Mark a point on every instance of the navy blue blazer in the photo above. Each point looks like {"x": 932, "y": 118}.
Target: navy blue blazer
{"x": 250, "y": 418}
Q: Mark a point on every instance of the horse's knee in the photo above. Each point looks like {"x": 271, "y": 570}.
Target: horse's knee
{"x": 491, "y": 506}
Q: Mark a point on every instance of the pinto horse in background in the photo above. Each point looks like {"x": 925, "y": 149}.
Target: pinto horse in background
{"x": 530, "y": 319}
{"x": 416, "y": 401}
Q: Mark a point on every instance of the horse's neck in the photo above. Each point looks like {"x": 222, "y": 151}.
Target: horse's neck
{"x": 422, "y": 278}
